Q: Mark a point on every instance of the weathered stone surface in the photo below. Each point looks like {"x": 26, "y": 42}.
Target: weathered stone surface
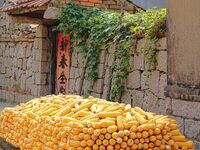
{"x": 111, "y": 49}
{"x": 44, "y": 67}
{"x": 20, "y": 63}
{"x": 164, "y": 106}
{"x": 72, "y": 83}
{"x": 162, "y": 85}
{"x": 106, "y": 90}
{"x": 98, "y": 86}
{"x": 43, "y": 90}
{"x": 96, "y": 95}
{"x": 162, "y": 44}
{"x": 41, "y": 31}
{"x": 110, "y": 59}
{"x": 150, "y": 102}
{"x": 133, "y": 80}
{"x": 102, "y": 57}
{"x": 145, "y": 80}
{"x": 40, "y": 78}
{"x": 142, "y": 44}
{"x": 74, "y": 60}
{"x": 180, "y": 121}
{"x": 154, "y": 82}
{"x": 162, "y": 61}
{"x": 101, "y": 70}
{"x": 197, "y": 144}
{"x": 186, "y": 109}
{"x": 139, "y": 62}
{"x": 52, "y": 13}
{"x": 192, "y": 129}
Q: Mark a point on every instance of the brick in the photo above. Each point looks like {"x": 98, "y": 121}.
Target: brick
{"x": 186, "y": 109}
{"x": 89, "y": 4}
{"x": 150, "y": 102}
{"x": 162, "y": 61}
{"x": 41, "y": 31}
{"x": 192, "y": 129}
{"x": 139, "y": 62}
{"x": 109, "y": 2}
{"x": 95, "y": 1}
{"x": 133, "y": 80}
{"x": 154, "y": 82}
{"x": 114, "y": 6}
{"x": 162, "y": 85}
{"x": 162, "y": 44}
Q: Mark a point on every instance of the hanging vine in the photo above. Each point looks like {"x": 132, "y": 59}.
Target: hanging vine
{"x": 93, "y": 29}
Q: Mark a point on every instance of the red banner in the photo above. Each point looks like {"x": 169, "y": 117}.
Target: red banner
{"x": 63, "y": 63}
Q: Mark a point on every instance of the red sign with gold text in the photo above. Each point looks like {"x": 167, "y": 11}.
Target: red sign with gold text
{"x": 63, "y": 63}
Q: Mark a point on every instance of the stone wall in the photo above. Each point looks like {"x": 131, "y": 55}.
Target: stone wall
{"x": 24, "y": 61}
{"x": 144, "y": 87}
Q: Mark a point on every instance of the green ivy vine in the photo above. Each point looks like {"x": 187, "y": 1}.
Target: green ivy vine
{"x": 93, "y": 30}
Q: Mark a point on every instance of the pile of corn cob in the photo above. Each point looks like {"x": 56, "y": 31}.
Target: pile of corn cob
{"x": 71, "y": 122}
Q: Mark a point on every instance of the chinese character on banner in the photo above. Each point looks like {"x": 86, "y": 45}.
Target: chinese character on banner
{"x": 63, "y": 60}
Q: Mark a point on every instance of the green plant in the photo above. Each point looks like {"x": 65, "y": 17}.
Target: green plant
{"x": 92, "y": 30}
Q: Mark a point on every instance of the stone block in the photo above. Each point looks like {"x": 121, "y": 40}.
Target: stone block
{"x": 154, "y": 82}
{"x": 186, "y": 108}
{"x": 40, "y": 78}
{"x": 24, "y": 64}
{"x": 164, "y": 106}
{"x": 72, "y": 83}
{"x": 41, "y": 31}
{"x": 111, "y": 48}
{"x": 81, "y": 60}
{"x": 162, "y": 61}
{"x": 107, "y": 78}
{"x": 102, "y": 57}
{"x": 101, "y": 70}
{"x": 145, "y": 80}
{"x": 35, "y": 65}
{"x": 137, "y": 98}
{"x": 72, "y": 72}
{"x": 192, "y": 129}
{"x": 77, "y": 85}
{"x": 150, "y": 102}
{"x": 21, "y": 52}
{"x": 44, "y": 67}
{"x": 127, "y": 97}
{"x": 142, "y": 44}
{"x": 162, "y": 44}
{"x": 98, "y": 86}
{"x": 106, "y": 90}
{"x": 139, "y": 62}
{"x": 180, "y": 122}
{"x": 110, "y": 59}
{"x": 96, "y": 95}
{"x": 133, "y": 80}
{"x": 43, "y": 90}
{"x": 20, "y": 63}
{"x": 162, "y": 85}
{"x": 52, "y": 13}
{"x": 28, "y": 52}
{"x": 2, "y": 69}
{"x": 34, "y": 90}
{"x": 74, "y": 60}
